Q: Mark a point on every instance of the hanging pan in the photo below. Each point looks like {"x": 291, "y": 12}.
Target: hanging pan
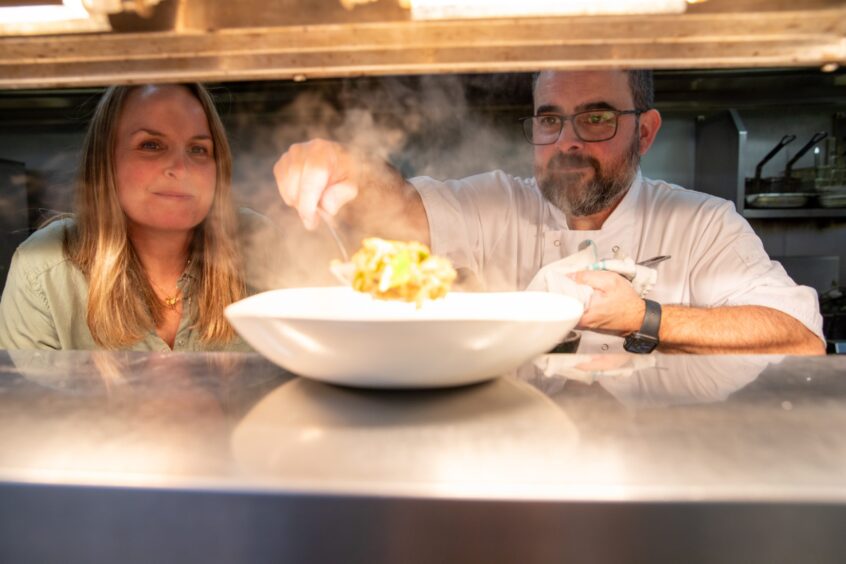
{"x": 790, "y": 184}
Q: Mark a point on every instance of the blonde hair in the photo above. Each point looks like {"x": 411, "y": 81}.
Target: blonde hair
{"x": 122, "y": 305}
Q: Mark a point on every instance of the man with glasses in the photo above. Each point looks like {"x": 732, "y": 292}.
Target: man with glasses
{"x": 718, "y": 293}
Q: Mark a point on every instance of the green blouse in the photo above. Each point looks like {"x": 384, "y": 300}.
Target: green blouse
{"x": 46, "y": 296}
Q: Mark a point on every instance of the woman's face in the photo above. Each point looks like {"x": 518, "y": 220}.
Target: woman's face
{"x": 164, "y": 160}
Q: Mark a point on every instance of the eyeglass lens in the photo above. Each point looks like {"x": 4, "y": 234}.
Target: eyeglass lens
{"x": 589, "y": 126}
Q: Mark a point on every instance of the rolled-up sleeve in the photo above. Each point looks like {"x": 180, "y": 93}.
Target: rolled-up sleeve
{"x": 733, "y": 269}
{"x": 450, "y": 214}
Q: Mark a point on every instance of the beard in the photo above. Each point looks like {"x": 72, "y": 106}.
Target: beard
{"x": 576, "y": 194}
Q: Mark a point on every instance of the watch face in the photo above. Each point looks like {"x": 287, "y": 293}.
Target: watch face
{"x": 639, "y": 345}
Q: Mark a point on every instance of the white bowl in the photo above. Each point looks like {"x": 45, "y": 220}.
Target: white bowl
{"x": 340, "y": 336}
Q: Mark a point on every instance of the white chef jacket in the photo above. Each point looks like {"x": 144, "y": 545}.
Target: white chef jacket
{"x": 500, "y": 230}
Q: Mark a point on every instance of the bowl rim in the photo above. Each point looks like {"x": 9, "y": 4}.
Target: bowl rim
{"x": 407, "y": 313}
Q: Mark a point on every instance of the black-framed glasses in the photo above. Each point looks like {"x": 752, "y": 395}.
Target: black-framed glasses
{"x": 590, "y": 126}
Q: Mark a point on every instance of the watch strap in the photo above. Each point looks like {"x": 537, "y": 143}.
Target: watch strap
{"x": 651, "y": 319}
{"x": 645, "y": 339}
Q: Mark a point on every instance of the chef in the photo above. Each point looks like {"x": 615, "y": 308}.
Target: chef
{"x": 718, "y": 293}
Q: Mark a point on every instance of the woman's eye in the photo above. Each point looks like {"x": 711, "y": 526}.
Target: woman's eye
{"x": 150, "y": 145}
{"x": 200, "y": 150}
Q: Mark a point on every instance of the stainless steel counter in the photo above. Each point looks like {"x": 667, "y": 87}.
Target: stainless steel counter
{"x": 129, "y": 457}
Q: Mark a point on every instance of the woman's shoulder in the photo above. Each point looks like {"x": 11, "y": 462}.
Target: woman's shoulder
{"x": 45, "y": 248}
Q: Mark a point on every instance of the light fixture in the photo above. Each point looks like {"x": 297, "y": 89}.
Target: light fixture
{"x": 450, "y": 9}
{"x": 69, "y": 16}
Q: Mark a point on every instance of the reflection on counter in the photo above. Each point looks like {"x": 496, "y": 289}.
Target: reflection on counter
{"x": 124, "y": 415}
{"x": 498, "y": 432}
{"x": 606, "y": 427}
{"x": 649, "y": 380}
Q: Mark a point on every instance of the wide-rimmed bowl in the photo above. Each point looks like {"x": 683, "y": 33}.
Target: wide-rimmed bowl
{"x": 341, "y": 336}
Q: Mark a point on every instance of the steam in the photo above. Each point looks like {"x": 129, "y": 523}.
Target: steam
{"x": 424, "y": 126}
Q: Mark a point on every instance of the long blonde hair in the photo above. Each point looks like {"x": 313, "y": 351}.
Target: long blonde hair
{"x": 122, "y": 305}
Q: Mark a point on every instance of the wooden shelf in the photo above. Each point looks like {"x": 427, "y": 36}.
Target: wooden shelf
{"x": 306, "y": 39}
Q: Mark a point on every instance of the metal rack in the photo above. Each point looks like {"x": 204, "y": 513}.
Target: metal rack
{"x": 720, "y": 167}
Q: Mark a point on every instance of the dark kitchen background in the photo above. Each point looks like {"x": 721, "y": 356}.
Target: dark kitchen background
{"x": 718, "y": 126}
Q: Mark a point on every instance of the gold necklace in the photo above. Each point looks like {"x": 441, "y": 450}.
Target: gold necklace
{"x": 169, "y": 301}
{"x": 172, "y": 301}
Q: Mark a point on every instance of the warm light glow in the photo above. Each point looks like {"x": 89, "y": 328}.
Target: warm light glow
{"x": 44, "y": 13}
{"x": 829, "y": 67}
{"x": 50, "y": 18}
{"x": 447, "y": 9}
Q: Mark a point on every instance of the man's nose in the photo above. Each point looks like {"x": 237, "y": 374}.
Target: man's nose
{"x": 568, "y": 138}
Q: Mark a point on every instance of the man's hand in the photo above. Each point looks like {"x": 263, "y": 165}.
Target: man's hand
{"x": 369, "y": 197}
{"x": 316, "y": 174}
{"x": 614, "y": 306}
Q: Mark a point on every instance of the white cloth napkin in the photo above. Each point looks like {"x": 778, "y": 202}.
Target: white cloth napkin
{"x": 553, "y": 277}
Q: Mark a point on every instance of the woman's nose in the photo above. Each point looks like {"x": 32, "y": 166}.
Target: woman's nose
{"x": 176, "y": 164}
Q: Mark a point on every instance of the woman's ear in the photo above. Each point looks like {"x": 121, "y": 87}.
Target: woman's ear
{"x": 650, "y": 123}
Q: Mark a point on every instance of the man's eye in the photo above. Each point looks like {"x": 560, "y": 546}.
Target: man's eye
{"x": 599, "y": 118}
{"x": 548, "y": 121}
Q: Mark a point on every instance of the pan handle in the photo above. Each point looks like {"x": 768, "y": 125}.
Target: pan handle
{"x": 784, "y": 141}
{"x": 818, "y": 136}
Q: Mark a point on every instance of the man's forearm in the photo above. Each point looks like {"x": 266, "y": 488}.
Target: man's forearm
{"x": 733, "y": 330}
{"x": 387, "y": 206}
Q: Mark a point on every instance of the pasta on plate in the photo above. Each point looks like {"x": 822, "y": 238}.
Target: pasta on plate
{"x": 399, "y": 270}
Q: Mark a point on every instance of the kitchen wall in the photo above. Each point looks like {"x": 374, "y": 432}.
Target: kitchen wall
{"x": 673, "y": 156}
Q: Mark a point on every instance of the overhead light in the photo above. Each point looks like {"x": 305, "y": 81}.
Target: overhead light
{"x": 830, "y": 67}
{"x": 69, "y": 16}
{"x": 143, "y": 8}
{"x": 450, "y": 9}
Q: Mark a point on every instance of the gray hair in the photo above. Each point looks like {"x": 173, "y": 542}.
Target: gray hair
{"x": 641, "y": 84}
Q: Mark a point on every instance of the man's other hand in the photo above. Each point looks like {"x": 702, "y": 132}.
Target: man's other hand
{"x": 614, "y": 306}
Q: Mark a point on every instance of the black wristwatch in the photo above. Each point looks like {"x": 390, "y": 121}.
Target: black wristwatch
{"x": 645, "y": 339}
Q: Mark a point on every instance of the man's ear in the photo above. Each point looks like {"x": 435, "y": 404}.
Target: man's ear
{"x": 650, "y": 123}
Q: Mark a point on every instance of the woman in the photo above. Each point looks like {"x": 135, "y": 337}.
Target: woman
{"x": 151, "y": 256}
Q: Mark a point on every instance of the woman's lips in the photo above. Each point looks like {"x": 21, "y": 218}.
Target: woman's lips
{"x": 173, "y": 195}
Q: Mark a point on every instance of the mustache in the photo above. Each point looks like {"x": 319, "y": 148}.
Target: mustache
{"x": 569, "y": 160}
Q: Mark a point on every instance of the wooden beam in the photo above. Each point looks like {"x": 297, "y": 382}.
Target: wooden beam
{"x": 800, "y": 38}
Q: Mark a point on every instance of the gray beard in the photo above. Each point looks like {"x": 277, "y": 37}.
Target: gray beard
{"x": 576, "y": 196}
